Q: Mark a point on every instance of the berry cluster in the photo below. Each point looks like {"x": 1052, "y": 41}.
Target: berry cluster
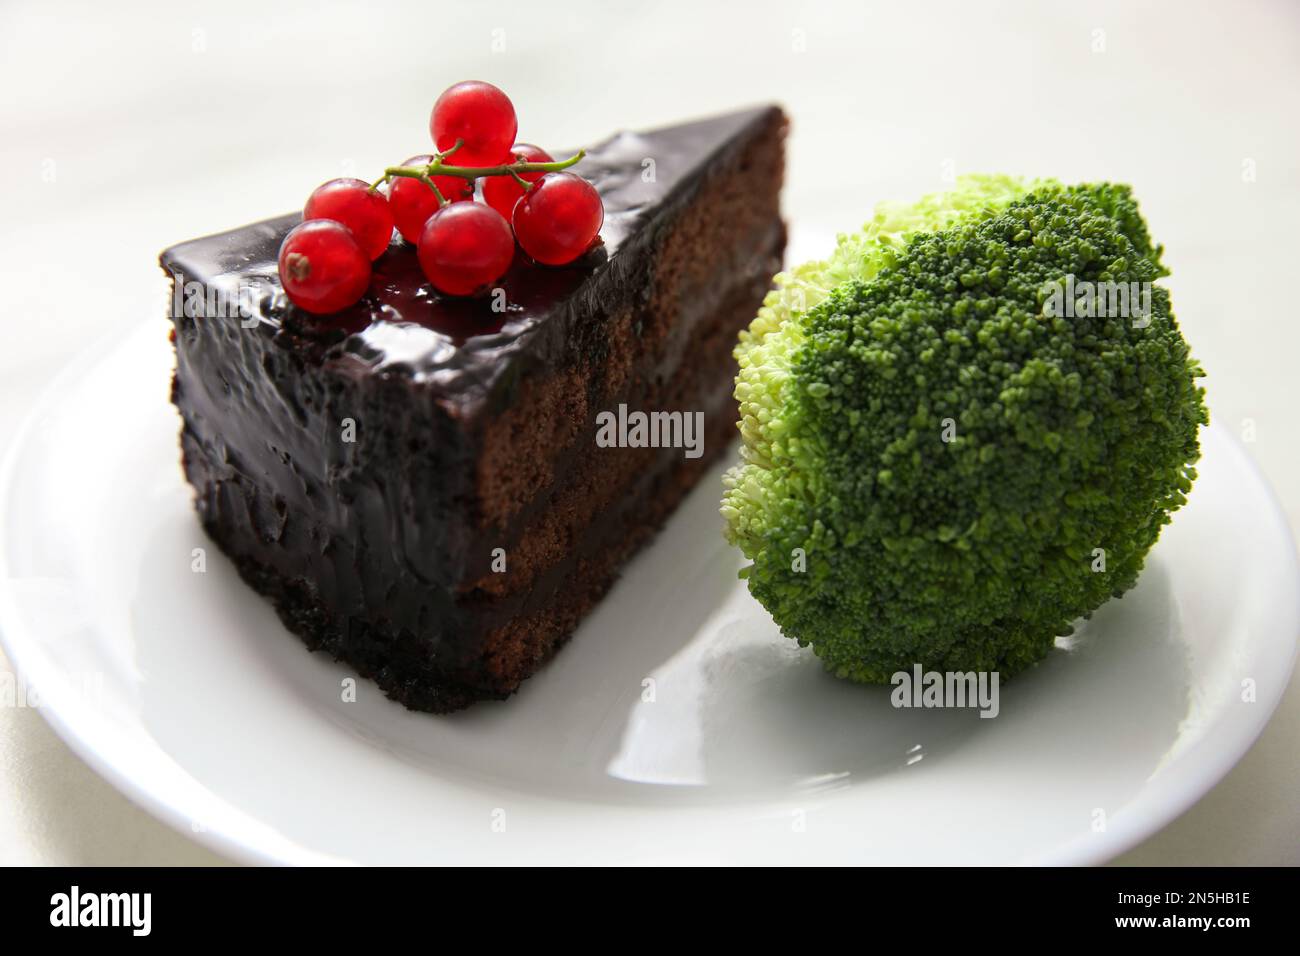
{"x": 464, "y": 246}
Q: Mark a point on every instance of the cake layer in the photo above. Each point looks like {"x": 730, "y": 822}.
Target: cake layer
{"x": 499, "y": 641}
{"x": 363, "y": 469}
{"x": 591, "y": 478}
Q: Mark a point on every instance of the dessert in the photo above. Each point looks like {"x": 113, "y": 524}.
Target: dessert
{"x": 413, "y": 479}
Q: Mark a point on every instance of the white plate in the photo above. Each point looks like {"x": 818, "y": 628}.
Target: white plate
{"x": 183, "y": 689}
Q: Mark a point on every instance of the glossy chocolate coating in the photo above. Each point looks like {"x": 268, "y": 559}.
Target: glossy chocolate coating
{"x": 462, "y": 348}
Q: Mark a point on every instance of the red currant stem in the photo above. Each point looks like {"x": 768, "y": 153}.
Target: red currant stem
{"x": 438, "y": 158}
{"x": 524, "y": 184}
{"x": 447, "y": 152}
{"x": 442, "y": 201}
{"x": 437, "y": 168}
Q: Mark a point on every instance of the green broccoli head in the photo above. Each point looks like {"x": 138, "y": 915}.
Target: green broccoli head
{"x": 950, "y": 451}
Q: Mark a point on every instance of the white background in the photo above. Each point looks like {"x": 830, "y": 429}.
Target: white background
{"x": 127, "y": 127}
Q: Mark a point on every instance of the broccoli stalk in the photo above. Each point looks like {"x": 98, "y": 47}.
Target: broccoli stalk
{"x": 941, "y": 465}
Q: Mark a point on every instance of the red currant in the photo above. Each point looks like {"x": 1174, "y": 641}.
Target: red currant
{"x": 365, "y": 213}
{"x": 465, "y": 247}
{"x": 502, "y": 192}
{"x": 481, "y": 116}
{"x": 322, "y": 268}
{"x": 558, "y": 219}
{"x": 412, "y": 202}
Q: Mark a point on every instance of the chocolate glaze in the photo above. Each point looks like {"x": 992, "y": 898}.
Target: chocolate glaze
{"x": 460, "y": 348}
{"x": 366, "y": 547}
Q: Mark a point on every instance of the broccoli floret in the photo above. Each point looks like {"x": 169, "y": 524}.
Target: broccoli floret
{"x": 943, "y": 466}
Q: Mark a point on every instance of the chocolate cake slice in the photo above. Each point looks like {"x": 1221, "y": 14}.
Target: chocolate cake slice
{"x": 416, "y": 482}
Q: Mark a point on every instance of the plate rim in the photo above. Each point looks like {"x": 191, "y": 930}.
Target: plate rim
{"x": 1161, "y": 801}
{"x": 228, "y": 845}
